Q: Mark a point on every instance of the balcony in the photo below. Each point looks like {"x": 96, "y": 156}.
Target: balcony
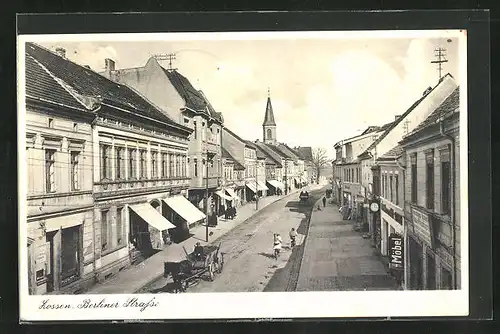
{"x": 118, "y": 187}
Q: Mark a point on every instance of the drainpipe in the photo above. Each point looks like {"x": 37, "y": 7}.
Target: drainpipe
{"x": 94, "y": 265}
{"x": 452, "y": 206}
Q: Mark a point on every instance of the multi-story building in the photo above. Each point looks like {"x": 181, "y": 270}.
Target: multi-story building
{"x": 310, "y": 173}
{"x": 137, "y": 160}
{"x": 405, "y": 123}
{"x": 274, "y": 168}
{"x": 388, "y": 186}
{"x": 234, "y": 178}
{"x": 263, "y": 164}
{"x": 432, "y": 199}
{"x": 59, "y": 178}
{"x": 174, "y": 93}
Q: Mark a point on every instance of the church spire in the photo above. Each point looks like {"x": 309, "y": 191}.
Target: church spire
{"x": 269, "y": 116}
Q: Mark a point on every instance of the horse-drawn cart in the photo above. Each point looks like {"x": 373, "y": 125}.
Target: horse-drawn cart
{"x": 190, "y": 270}
{"x": 304, "y": 197}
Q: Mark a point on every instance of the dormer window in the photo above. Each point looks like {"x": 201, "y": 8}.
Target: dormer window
{"x": 51, "y": 123}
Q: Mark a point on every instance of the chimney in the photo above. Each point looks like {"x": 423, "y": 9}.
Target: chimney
{"x": 397, "y": 117}
{"x": 87, "y": 66}
{"x": 109, "y": 64}
{"x": 61, "y": 52}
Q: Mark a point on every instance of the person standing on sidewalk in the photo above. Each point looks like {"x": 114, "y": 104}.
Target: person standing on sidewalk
{"x": 324, "y": 201}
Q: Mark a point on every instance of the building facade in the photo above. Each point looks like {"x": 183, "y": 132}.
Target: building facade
{"x": 174, "y": 93}
{"x": 432, "y": 200}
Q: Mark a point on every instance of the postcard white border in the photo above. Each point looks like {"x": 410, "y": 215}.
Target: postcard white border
{"x": 253, "y": 305}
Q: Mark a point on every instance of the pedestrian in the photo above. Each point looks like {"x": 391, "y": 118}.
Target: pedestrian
{"x": 324, "y": 201}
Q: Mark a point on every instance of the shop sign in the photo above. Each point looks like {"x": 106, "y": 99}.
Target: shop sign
{"x": 422, "y": 226}
{"x": 396, "y": 251}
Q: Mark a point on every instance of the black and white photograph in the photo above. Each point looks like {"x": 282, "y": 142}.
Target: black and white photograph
{"x": 232, "y": 175}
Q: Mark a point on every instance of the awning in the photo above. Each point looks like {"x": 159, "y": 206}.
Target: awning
{"x": 152, "y": 217}
{"x": 221, "y": 194}
{"x": 252, "y": 186}
{"x": 262, "y": 185}
{"x": 276, "y": 184}
{"x": 185, "y": 209}
{"x": 232, "y": 193}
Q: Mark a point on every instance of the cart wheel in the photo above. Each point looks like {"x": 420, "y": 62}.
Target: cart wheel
{"x": 211, "y": 273}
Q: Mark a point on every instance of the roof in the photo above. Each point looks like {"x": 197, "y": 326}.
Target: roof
{"x": 272, "y": 155}
{"x": 245, "y": 142}
{"x": 305, "y": 153}
{"x": 195, "y": 99}
{"x": 445, "y": 109}
{"x": 61, "y": 81}
{"x": 294, "y": 155}
{"x": 283, "y": 153}
{"x": 227, "y": 155}
{"x": 269, "y": 116}
{"x": 392, "y": 153}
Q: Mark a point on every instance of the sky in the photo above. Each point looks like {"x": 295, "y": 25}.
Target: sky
{"x": 322, "y": 90}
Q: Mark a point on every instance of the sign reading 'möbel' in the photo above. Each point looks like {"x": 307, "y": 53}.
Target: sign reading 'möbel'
{"x": 396, "y": 251}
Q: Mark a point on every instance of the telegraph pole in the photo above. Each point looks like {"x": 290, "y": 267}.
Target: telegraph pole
{"x": 166, "y": 56}
{"x": 440, "y": 54}
{"x": 257, "y": 185}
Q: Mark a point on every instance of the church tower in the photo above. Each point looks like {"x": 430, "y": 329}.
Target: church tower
{"x": 269, "y": 125}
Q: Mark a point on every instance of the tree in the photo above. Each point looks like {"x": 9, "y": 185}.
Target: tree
{"x": 319, "y": 160}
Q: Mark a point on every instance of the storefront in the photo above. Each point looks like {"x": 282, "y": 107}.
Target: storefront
{"x": 275, "y": 187}
{"x": 431, "y": 262}
{"x": 183, "y": 214}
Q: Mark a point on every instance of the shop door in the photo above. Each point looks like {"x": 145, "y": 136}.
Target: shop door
{"x": 50, "y": 266}
{"x": 431, "y": 272}
{"x": 416, "y": 266}
{"x": 70, "y": 255}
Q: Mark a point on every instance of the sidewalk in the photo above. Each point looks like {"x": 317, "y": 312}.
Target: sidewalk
{"x": 338, "y": 258}
{"x": 135, "y": 277}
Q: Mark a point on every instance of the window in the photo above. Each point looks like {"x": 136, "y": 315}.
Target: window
{"x": 105, "y": 162}
{"x": 429, "y": 163}
{"x": 132, "y": 163}
{"x": 178, "y": 165}
{"x": 75, "y": 127}
{"x": 50, "y": 185}
{"x": 184, "y": 166}
{"x": 120, "y": 163}
{"x": 143, "y": 164}
{"x": 204, "y": 168}
{"x": 390, "y": 189}
{"x": 171, "y": 165}
{"x": 414, "y": 179}
{"x": 164, "y": 165}
{"x": 195, "y": 167}
{"x": 195, "y": 130}
{"x": 446, "y": 279}
{"x": 154, "y": 164}
{"x": 186, "y": 120}
{"x": 445, "y": 183}
{"x": 51, "y": 123}
{"x": 75, "y": 168}
{"x": 396, "y": 184}
{"x": 119, "y": 227}
{"x": 269, "y": 134}
{"x": 104, "y": 229}
{"x": 203, "y": 132}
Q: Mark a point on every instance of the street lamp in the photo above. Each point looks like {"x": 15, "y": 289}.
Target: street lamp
{"x": 210, "y": 156}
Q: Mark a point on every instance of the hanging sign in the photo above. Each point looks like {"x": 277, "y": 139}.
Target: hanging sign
{"x": 396, "y": 251}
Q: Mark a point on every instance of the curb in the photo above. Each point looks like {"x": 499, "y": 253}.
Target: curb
{"x": 223, "y": 234}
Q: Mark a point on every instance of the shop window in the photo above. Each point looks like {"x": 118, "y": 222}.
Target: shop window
{"x": 75, "y": 171}
{"x": 50, "y": 161}
{"x": 429, "y": 163}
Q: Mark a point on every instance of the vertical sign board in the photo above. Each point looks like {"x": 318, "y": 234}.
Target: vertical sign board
{"x": 396, "y": 251}
{"x": 422, "y": 225}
